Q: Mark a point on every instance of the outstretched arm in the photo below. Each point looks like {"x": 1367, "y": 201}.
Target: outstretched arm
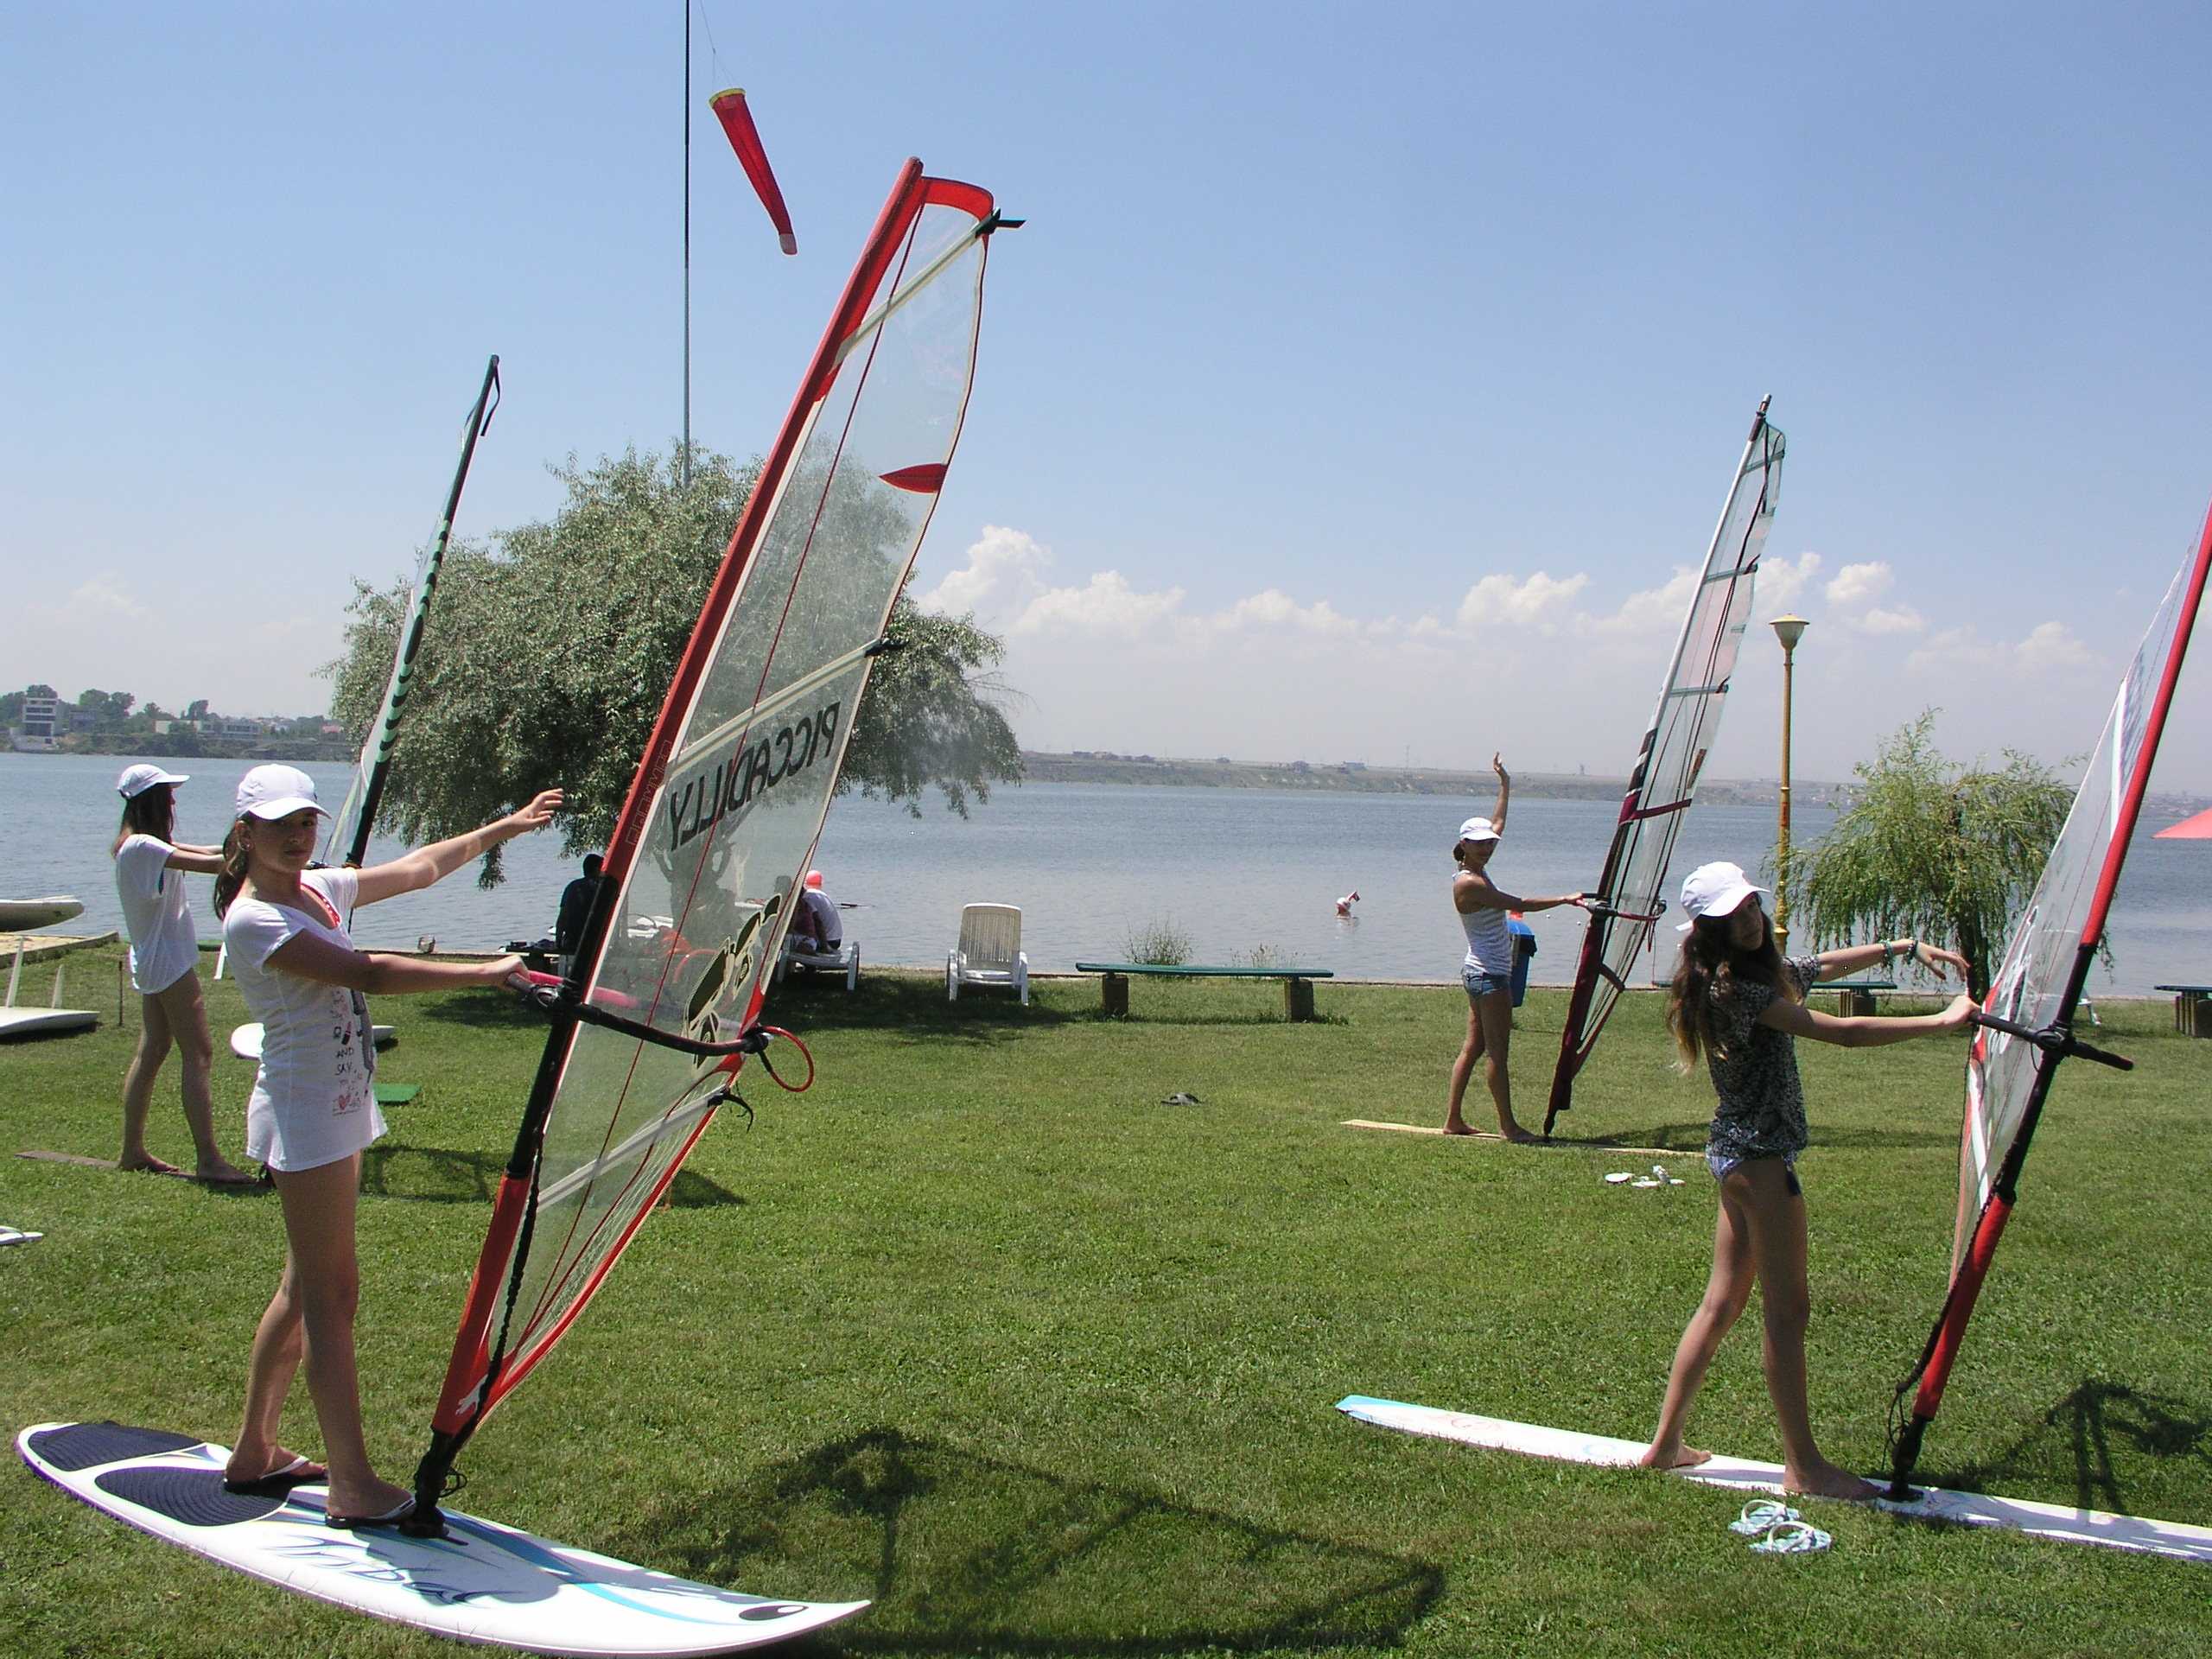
{"x": 1504, "y": 791}
{"x": 1867, "y": 1031}
{"x": 200, "y": 861}
{"x": 1833, "y": 964}
{"x": 329, "y": 964}
{"x": 414, "y": 870}
{"x": 1471, "y": 892}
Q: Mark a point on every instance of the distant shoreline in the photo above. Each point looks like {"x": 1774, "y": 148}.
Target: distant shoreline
{"x": 1353, "y": 777}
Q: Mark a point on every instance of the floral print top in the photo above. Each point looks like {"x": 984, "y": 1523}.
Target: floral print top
{"x": 1754, "y": 1067}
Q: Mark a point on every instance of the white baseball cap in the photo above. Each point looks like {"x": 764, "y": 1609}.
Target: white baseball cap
{"x": 276, "y": 792}
{"x": 1477, "y": 830}
{"x": 136, "y": 781}
{"x": 1714, "y": 889}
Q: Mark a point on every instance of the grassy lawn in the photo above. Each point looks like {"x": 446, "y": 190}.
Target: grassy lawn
{"x": 982, "y": 1330}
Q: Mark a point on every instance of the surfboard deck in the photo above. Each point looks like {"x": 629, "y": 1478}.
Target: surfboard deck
{"x": 25, "y": 915}
{"x": 2053, "y": 1521}
{"x": 1492, "y": 1134}
{"x": 39, "y": 1022}
{"x": 483, "y": 1582}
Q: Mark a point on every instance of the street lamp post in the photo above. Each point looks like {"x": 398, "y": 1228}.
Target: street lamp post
{"x": 1788, "y": 630}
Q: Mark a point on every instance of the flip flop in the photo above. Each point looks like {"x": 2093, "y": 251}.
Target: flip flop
{"x": 391, "y": 1517}
{"x": 17, "y": 1236}
{"x": 278, "y": 1481}
{"x": 1792, "y": 1538}
{"x": 1762, "y": 1515}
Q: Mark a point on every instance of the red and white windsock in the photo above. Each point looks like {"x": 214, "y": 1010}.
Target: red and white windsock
{"x": 730, "y": 109}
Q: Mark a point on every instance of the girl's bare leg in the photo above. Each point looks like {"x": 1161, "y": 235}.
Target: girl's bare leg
{"x": 187, "y": 1011}
{"x": 278, "y": 1342}
{"x": 1776, "y": 1216}
{"x": 1727, "y": 1291}
{"x": 326, "y": 1285}
{"x": 1496, "y": 1013}
{"x": 1462, "y": 1070}
{"x": 154, "y": 1043}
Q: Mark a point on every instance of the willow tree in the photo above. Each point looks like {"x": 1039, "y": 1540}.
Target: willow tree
{"x": 1931, "y": 849}
{"x": 548, "y": 652}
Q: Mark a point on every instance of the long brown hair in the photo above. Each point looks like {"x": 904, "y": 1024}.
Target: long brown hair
{"x": 1711, "y": 968}
{"x": 233, "y": 876}
{"x": 151, "y": 811}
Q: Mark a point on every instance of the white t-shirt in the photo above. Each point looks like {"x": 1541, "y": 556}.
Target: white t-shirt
{"x": 315, "y": 1098}
{"x": 817, "y": 919}
{"x": 164, "y": 947}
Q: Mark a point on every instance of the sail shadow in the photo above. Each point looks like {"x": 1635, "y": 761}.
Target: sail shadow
{"x": 965, "y": 1553}
{"x": 393, "y": 1169}
{"x": 2088, "y": 1421}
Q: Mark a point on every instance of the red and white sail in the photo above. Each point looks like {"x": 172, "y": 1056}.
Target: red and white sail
{"x": 704, "y": 869}
{"x": 2038, "y": 987}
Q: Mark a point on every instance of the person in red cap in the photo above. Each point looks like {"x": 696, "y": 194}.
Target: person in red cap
{"x": 150, "y": 865}
{"x": 1739, "y": 1002}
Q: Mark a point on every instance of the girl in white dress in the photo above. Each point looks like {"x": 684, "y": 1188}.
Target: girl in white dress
{"x": 150, "y": 865}
{"x": 314, "y": 1106}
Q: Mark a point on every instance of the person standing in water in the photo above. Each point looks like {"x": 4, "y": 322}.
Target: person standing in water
{"x": 1487, "y": 970}
{"x": 313, "y": 1108}
{"x": 1738, "y": 1002}
{"x": 150, "y": 865}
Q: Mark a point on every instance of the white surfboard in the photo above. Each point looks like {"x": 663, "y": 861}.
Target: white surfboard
{"x": 23, "y": 915}
{"x": 483, "y": 1582}
{"x": 2054, "y": 1521}
{"x": 38, "y": 1022}
{"x": 245, "y": 1041}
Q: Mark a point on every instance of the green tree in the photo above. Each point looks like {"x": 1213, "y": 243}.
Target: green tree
{"x": 547, "y": 656}
{"x": 1932, "y": 849}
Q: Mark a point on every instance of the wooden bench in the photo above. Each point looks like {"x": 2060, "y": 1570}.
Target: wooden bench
{"x": 1856, "y": 996}
{"x": 1114, "y": 989}
{"x": 2192, "y": 1009}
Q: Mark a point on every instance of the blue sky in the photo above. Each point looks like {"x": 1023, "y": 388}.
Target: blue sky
{"x": 1362, "y": 376}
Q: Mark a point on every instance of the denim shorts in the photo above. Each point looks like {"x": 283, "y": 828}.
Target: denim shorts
{"x": 1480, "y": 984}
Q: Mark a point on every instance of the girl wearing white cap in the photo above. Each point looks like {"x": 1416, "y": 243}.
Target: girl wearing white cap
{"x": 150, "y": 865}
{"x": 1487, "y": 970}
{"x": 1737, "y": 1000}
{"x": 314, "y": 1106}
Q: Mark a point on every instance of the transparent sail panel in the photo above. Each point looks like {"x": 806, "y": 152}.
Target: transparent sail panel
{"x": 1683, "y": 727}
{"x": 703, "y": 906}
{"x": 2038, "y": 982}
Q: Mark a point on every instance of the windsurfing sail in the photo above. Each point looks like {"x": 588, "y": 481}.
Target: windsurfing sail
{"x": 736, "y": 116}
{"x": 2026, "y": 1024}
{"x": 347, "y": 841}
{"x": 1626, "y": 901}
{"x": 720, "y": 825}
{"x": 2198, "y": 827}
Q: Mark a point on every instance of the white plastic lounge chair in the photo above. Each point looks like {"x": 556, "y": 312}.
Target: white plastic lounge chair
{"x": 845, "y": 959}
{"x": 990, "y": 952}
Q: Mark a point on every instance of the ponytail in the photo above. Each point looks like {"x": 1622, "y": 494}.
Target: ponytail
{"x": 151, "y": 811}
{"x": 233, "y": 876}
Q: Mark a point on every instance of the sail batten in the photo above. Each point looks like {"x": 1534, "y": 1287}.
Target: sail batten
{"x": 1664, "y": 784}
{"x": 727, "y": 804}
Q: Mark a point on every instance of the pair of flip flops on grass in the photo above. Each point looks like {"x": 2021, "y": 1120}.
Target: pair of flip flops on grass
{"x": 1777, "y": 1529}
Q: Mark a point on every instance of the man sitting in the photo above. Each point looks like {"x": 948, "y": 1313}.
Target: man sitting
{"x": 815, "y": 929}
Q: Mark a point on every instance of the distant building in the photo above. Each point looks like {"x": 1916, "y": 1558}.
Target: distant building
{"x": 39, "y": 727}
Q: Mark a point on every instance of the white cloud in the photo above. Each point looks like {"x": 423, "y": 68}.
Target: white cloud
{"x": 1903, "y": 618}
{"x": 102, "y": 599}
{"x": 2051, "y": 644}
{"x": 1108, "y": 605}
{"x": 1500, "y": 599}
{"x": 1783, "y": 582}
{"x": 1857, "y": 583}
{"x": 1654, "y": 611}
{"x": 1005, "y": 570}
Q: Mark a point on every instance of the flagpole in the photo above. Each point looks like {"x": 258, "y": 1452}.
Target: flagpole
{"x": 685, "y": 464}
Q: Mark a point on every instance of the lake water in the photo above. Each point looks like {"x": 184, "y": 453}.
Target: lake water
{"x": 1236, "y": 871}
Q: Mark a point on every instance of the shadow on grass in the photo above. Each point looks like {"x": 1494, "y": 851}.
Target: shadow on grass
{"x": 436, "y": 1175}
{"x": 502, "y": 1012}
{"x": 2091, "y": 1417}
{"x": 911, "y": 1005}
{"x": 963, "y": 1554}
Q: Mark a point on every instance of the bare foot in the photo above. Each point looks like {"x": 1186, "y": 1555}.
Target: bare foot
{"x": 1458, "y": 1126}
{"x": 1678, "y": 1457}
{"x": 222, "y": 1172}
{"x": 1519, "y": 1136}
{"x": 146, "y": 1164}
{"x": 1826, "y": 1480}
